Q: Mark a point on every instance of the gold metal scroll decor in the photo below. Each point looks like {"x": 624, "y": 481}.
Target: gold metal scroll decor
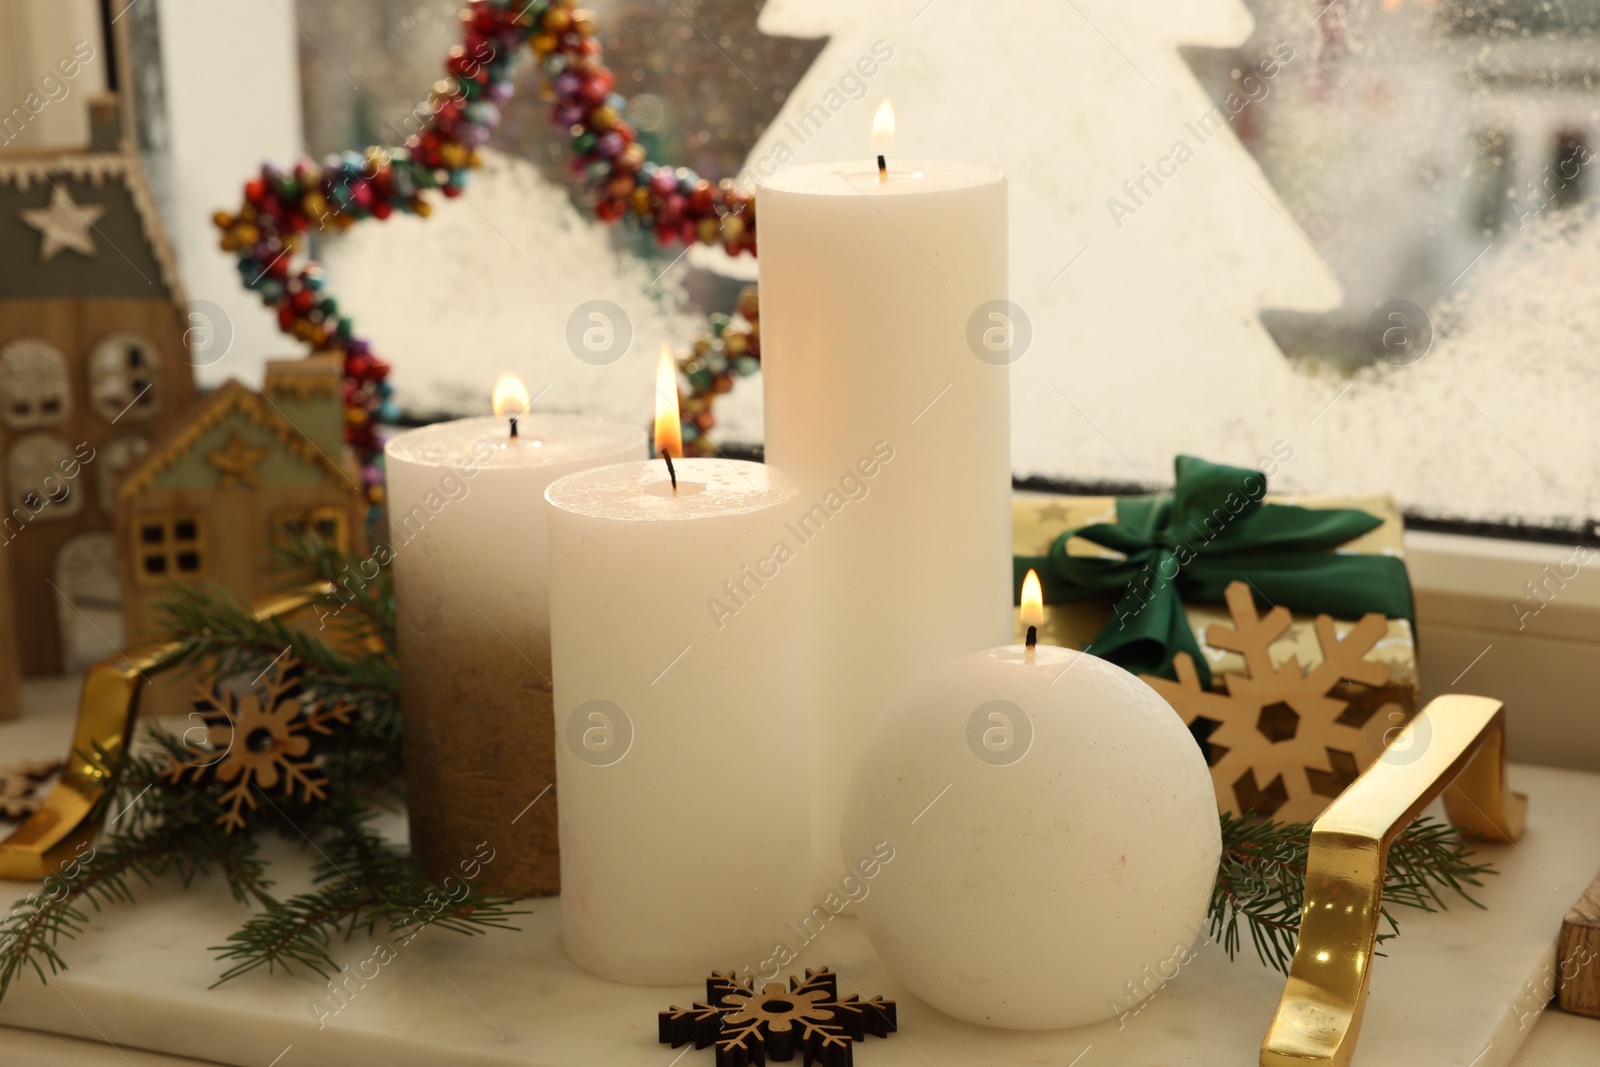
{"x": 1456, "y": 747}
{"x": 71, "y": 813}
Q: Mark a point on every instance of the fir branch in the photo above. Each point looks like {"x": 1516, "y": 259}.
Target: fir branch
{"x": 106, "y": 874}
{"x": 308, "y": 558}
{"x": 209, "y": 624}
{"x": 362, "y": 881}
{"x": 141, "y": 802}
{"x": 1261, "y": 880}
{"x": 213, "y": 631}
{"x": 30, "y": 934}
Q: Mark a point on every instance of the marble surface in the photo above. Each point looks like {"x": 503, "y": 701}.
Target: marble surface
{"x": 1458, "y": 989}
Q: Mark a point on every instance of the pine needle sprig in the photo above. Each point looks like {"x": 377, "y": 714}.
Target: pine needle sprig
{"x": 164, "y": 830}
{"x": 32, "y": 932}
{"x": 108, "y": 873}
{"x": 361, "y": 881}
{"x": 1261, "y": 881}
{"x": 165, "y": 825}
{"x": 348, "y": 653}
{"x": 210, "y": 625}
{"x": 371, "y": 598}
{"x": 1428, "y": 857}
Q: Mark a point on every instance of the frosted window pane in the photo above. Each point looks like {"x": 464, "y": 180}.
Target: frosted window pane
{"x": 1218, "y": 211}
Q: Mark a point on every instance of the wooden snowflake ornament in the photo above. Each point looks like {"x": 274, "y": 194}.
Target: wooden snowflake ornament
{"x": 750, "y": 1026}
{"x": 259, "y": 742}
{"x": 1279, "y": 740}
{"x": 19, "y": 787}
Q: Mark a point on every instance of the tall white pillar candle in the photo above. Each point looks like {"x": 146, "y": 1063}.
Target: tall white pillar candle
{"x": 877, "y": 298}
{"x": 684, "y": 838}
{"x": 468, "y": 534}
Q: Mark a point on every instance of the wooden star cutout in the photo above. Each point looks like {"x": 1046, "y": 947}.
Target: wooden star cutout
{"x": 238, "y": 463}
{"x": 64, "y": 224}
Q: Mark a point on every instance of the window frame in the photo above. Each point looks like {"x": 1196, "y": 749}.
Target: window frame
{"x": 169, "y": 548}
{"x": 283, "y": 520}
{"x": 61, "y": 368}
{"x": 51, "y": 509}
{"x": 144, "y": 404}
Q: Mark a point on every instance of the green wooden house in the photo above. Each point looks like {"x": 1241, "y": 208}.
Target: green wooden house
{"x": 244, "y": 467}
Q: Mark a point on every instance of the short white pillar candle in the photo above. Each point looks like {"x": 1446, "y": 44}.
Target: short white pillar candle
{"x": 681, "y": 751}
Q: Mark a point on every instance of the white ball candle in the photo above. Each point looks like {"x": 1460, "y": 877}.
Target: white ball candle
{"x": 869, "y": 291}
{"x": 1055, "y": 832}
{"x": 680, "y": 853}
{"x": 467, "y": 532}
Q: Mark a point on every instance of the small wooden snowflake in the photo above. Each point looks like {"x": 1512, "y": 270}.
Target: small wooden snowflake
{"x": 260, "y": 742}
{"x": 751, "y": 1027}
{"x": 19, "y": 787}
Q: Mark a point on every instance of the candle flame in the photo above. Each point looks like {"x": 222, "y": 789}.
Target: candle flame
{"x": 669, "y": 427}
{"x": 1032, "y": 601}
{"x": 510, "y": 395}
{"x": 883, "y": 128}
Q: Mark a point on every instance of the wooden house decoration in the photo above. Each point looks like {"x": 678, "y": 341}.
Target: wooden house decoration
{"x": 93, "y": 368}
{"x": 244, "y": 467}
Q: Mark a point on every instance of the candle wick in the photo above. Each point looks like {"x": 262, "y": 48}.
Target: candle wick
{"x": 883, "y": 169}
{"x": 670, "y": 472}
{"x": 1033, "y": 637}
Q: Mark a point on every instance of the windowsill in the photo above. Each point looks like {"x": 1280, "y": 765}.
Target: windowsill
{"x": 1481, "y": 582}
{"x": 1481, "y": 630}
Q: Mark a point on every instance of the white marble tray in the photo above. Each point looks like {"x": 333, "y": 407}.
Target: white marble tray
{"x": 1458, "y": 989}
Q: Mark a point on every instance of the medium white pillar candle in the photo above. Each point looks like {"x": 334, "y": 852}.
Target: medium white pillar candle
{"x": 467, "y": 531}
{"x": 684, "y": 838}
{"x": 869, "y": 292}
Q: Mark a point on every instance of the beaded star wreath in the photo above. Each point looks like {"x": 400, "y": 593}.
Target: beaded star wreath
{"x": 282, "y": 206}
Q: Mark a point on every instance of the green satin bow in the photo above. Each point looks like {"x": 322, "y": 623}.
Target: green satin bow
{"x": 1213, "y": 529}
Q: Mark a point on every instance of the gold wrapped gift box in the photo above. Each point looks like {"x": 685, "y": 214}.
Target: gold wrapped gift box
{"x": 1319, "y": 770}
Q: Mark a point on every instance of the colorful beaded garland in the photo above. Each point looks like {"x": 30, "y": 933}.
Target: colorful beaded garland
{"x": 282, "y": 206}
